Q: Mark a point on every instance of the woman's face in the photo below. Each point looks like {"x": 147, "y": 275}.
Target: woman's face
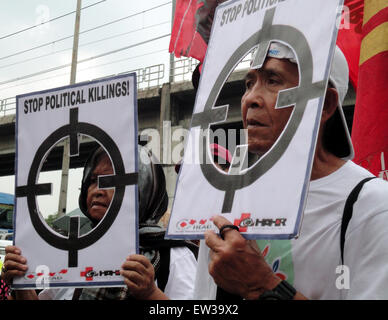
{"x": 98, "y": 200}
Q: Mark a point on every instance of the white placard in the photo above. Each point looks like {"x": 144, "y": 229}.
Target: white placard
{"x": 106, "y": 111}
{"x": 266, "y": 200}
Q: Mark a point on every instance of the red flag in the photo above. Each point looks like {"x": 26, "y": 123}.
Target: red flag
{"x": 370, "y": 124}
{"x": 350, "y": 35}
{"x": 191, "y": 30}
{"x": 193, "y": 20}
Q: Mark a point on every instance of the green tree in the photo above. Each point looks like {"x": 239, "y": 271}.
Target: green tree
{"x": 51, "y": 218}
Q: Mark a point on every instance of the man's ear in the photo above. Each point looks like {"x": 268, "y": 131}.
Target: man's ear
{"x": 331, "y": 103}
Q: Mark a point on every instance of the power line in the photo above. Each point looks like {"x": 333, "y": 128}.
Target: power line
{"x": 53, "y": 19}
{"x": 82, "y": 32}
{"x": 84, "y": 69}
{"x": 83, "y": 45}
{"x": 84, "y": 60}
{"x": 81, "y": 70}
{"x": 34, "y": 48}
{"x": 125, "y": 59}
{"x": 127, "y": 17}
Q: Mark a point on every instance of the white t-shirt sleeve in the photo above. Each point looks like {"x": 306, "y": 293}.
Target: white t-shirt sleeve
{"x": 183, "y": 267}
{"x": 366, "y": 244}
{"x": 205, "y": 288}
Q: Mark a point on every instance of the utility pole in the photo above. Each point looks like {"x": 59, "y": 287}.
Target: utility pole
{"x": 171, "y": 77}
{"x": 165, "y": 107}
{"x": 66, "y": 146}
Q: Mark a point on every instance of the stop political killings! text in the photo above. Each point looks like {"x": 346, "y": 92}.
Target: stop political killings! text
{"x": 77, "y": 97}
{"x": 249, "y": 7}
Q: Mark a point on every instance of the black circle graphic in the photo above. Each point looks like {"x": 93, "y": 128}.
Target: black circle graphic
{"x": 82, "y": 242}
{"x": 300, "y": 97}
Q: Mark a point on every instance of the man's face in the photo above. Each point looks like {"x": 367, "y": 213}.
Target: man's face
{"x": 263, "y": 122}
{"x": 98, "y": 200}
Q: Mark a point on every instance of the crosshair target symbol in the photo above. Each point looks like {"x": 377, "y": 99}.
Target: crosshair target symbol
{"x": 298, "y": 96}
{"x": 118, "y": 181}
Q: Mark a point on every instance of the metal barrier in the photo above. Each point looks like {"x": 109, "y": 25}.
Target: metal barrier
{"x": 7, "y": 106}
{"x": 148, "y": 77}
{"x": 183, "y": 68}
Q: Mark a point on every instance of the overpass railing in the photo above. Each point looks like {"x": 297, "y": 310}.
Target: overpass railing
{"x": 7, "y": 106}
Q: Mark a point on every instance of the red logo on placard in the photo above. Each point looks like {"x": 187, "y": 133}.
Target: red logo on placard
{"x": 237, "y": 222}
{"x": 51, "y": 275}
{"x": 88, "y": 273}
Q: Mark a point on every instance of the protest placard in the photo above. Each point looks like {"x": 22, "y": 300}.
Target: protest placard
{"x": 105, "y": 111}
{"x": 265, "y": 199}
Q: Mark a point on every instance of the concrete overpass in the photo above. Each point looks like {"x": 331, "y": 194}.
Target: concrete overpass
{"x": 171, "y": 102}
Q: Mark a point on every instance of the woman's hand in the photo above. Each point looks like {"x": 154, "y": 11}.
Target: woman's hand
{"x": 139, "y": 276}
{"x": 15, "y": 265}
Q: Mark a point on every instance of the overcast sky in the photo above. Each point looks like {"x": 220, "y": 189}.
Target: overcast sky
{"x": 22, "y": 14}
